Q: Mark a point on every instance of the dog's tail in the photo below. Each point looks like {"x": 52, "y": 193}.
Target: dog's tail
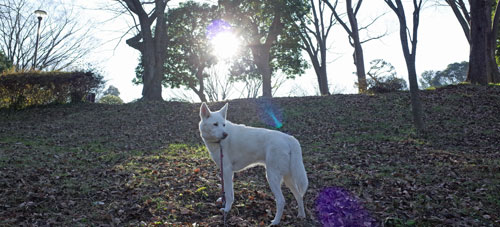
{"x": 297, "y": 168}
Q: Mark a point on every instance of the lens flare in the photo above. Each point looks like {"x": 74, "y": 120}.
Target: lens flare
{"x": 336, "y": 206}
{"x": 277, "y": 123}
{"x": 216, "y": 27}
{"x": 270, "y": 113}
{"x": 224, "y": 42}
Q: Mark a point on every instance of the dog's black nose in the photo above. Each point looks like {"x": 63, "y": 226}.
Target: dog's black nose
{"x": 224, "y": 135}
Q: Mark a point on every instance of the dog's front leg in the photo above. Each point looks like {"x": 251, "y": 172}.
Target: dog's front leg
{"x": 228, "y": 188}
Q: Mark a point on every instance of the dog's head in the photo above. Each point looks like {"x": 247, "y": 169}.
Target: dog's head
{"x": 213, "y": 124}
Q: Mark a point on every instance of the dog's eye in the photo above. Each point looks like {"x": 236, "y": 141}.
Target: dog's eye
{"x": 223, "y": 125}
{"x": 216, "y": 124}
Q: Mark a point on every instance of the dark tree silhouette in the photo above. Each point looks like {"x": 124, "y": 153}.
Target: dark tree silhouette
{"x": 480, "y": 25}
{"x": 409, "y": 40}
{"x": 150, "y": 42}
{"x": 352, "y": 28}
{"x": 314, "y": 40}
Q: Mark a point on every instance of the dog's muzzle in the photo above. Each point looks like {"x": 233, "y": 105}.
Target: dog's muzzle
{"x": 224, "y": 135}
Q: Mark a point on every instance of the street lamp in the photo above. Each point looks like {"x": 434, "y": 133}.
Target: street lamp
{"x": 40, "y": 14}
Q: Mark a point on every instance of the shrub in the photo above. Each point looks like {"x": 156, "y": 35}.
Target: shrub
{"x": 110, "y": 99}
{"x": 4, "y": 62}
{"x": 386, "y": 84}
{"x": 19, "y": 90}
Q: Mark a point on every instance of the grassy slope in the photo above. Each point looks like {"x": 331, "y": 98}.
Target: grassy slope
{"x": 92, "y": 164}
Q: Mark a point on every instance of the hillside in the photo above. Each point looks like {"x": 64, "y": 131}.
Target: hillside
{"x": 144, "y": 163}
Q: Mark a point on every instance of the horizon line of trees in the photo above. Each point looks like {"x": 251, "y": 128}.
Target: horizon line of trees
{"x": 275, "y": 32}
{"x": 307, "y": 24}
{"x": 175, "y": 51}
{"x": 274, "y": 35}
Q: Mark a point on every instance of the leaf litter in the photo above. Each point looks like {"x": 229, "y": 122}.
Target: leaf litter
{"x": 143, "y": 164}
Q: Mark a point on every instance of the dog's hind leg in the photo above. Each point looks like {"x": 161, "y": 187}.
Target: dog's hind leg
{"x": 291, "y": 185}
{"x": 274, "y": 178}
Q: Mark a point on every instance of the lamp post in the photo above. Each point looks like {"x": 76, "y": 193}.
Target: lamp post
{"x": 40, "y": 14}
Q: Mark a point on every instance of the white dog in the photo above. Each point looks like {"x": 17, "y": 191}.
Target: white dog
{"x": 244, "y": 147}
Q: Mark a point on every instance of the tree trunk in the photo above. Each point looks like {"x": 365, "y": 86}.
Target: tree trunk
{"x": 201, "y": 91}
{"x": 360, "y": 66}
{"x": 320, "y": 70}
{"x": 152, "y": 46}
{"x": 358, "y": 50}
{"x": 322, "y": 74}
{"x": 494, "y": 77}
{"x": 152, "y": 77}
{"x": 416, "y": 106}
{"x": 323, "y": 81}
{"x": 200, "y": 94}
{"x": 479, "y": 58}
{"x": 151, "y": 89}
{"x": 265, "y": 71}
{"x": 261, "y": 56}
{"x": 494, "y": 74}
{"x": 410, "y": 56}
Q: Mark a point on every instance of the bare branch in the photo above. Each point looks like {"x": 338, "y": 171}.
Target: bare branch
{"x": 63, "y": 39}
{"x": 374, "y": 38}
{"x": 357, "y": 7}
{"x": 372, "y": 21}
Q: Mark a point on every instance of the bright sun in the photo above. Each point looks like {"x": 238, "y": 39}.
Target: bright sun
{"x": 225, "y": 45}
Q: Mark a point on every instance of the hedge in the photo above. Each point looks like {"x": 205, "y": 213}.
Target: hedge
{"x": 19, "y": 90}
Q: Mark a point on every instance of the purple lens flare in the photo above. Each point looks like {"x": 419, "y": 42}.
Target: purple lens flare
{"x": 336, "y": 206}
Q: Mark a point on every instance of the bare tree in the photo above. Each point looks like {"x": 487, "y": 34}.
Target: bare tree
{"x": 269, "y": 34}
{"x": 251, "y": 87}
{"x": 462, "y": 14}
{"x": 409, "y": 40}
{"x": 218, "y": 85}
{"x": 354, "y": 38}
{"x": 64, "y": 40}
{"x": 150, "y": 42}
{"x": 481, "y": 31}
{"x": 314, "y": 40}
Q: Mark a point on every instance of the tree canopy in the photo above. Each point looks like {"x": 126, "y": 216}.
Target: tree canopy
{"x": 272, "y": 42}
{"x": 453, "y": 74}
{"x": 112, "y": 90}
{"x": 188, "y": 51}
{"x": 382, "y": 78}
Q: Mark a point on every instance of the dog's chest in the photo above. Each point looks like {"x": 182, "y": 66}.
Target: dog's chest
{"x": 236, "y": 159}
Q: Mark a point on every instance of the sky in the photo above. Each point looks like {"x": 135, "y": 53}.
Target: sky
{"x": 440, "y": 42}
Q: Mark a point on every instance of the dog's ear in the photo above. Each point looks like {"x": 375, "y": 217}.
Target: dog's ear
{"x": 204, "y": 111}
{"x": 223, "y": 111}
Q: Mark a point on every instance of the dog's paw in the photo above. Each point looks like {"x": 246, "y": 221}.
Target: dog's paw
{"x": 275, "y": 222}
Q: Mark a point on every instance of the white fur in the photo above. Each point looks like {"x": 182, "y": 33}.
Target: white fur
{"x": 245, "y": 147}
